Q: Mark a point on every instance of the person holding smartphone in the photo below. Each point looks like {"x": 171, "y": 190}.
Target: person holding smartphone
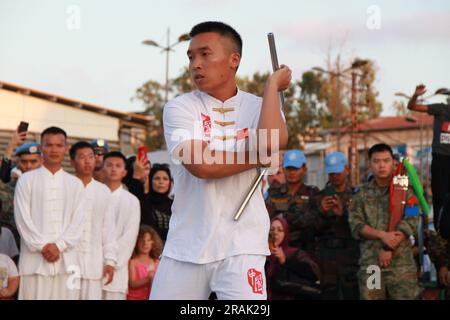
{"x": 338, "y": 252}
{"x": 17, "y": 139}
{"x": 27, "y": 157}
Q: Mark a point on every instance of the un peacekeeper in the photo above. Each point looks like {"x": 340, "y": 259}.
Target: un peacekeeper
{"x": 294, "y": 200}
{"x": 338, "y": 252}
{"x": 28, "y": 157}
{"x": 387, "y": 266}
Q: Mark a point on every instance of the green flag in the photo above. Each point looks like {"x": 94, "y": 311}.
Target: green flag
{"x": 416, "y": 185}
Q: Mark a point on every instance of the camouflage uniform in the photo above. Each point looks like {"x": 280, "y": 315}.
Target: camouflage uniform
{"x": 338, "y": 252}
{"x": 370, "y": 206}
{"x": 439, "y": 251}
{"x": 298, "y": 211}
{"x": 7, "y": 212}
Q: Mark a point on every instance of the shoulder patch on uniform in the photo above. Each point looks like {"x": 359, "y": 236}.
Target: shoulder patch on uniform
{"x": 412, "y": 211}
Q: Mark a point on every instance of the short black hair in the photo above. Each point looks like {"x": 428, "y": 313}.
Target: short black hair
{"x": 115, "y": 154}
{"x": 221, "y": 28}
{"x": 53, "y": 130}
{"x": 77, "y": 146}
{"x": 380, "y": 147}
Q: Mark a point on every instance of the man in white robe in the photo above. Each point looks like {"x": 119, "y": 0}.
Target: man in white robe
{"x": 48, "y": 210}
{"x": 96, "y": 250}
{"x": 127, "y": 218}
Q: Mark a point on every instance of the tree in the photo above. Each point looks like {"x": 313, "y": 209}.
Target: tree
{"x": 400, "y": 108}
{"x": 182, "y": 83}
{"x": 151, "y": 95}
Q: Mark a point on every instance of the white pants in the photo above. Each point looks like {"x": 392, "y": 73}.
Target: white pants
{"x": 109, "y": 295}
{"x": 37, "y": 287}
{"x": 90, "y": 290}
{"x": 239, "y": 277}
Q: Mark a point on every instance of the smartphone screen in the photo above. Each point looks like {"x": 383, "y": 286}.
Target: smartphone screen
{"x": 23, "y": 126}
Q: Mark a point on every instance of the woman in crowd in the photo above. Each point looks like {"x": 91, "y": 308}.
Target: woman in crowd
{"x": 291, "y": 273}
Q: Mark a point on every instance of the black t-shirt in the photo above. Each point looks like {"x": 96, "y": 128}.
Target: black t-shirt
{"x": 441, "y": 127}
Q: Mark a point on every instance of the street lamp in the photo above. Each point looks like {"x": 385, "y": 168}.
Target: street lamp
{"x": 167, "y": 49}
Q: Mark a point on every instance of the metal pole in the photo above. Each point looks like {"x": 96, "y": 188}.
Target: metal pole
{"x": 166, "y": 94}
{"x": 262, "y": 172}
{"x": 421, "y": 149}
{"x": 338, "y": 114}
{"x": 338, "y": 105}
{"x": 353, "y": 139}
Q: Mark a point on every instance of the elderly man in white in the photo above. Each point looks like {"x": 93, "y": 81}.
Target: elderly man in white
{"x": 97, "y": 248}
{"x": 48, "y": 209}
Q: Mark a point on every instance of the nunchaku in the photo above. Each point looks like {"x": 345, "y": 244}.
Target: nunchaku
{"x": 262, "y": 171}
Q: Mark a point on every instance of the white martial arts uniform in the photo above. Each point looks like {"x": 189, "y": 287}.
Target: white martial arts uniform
{"x": 8, "y": 244}
{"x": 97, "y": 247}
{"x": 204, "y": 242}
{"x": 127, "y": 213}
{"x": 48, "y": 208}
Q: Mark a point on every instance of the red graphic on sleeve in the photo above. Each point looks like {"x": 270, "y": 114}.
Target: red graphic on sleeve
{"x": 445, "y": 126}
{"x": 255, "y": 280}
{"x": 206, "y": 126}
{"x": 242, "y": 134}
{"x": 412, "y": 201}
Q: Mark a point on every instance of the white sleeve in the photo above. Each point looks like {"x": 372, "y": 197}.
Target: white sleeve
{"x": 180, "y": 124}
{"x": 30, "y": 235}
{"x": 127, "y": 241}
{"x": 109, "y": 230}
{"x": 74, "y": 230}
{"x": 12, "y": 269}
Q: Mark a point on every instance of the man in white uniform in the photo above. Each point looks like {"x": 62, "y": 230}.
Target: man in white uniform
{"x": 48, "y": 209}
{"x": 96, "y": 250}
{"x": 127, "y": 215}
{"x": 206, "y": 250}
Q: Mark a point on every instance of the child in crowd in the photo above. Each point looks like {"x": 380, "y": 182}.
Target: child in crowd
{"x": 143, "y": 263}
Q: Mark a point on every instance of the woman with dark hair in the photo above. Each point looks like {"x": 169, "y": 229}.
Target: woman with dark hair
{"x": 156, "y": 205}
{"x": 291, "y": 272}
{"x": 152, "y": 187}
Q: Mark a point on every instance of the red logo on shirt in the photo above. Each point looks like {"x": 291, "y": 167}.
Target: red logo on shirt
{"x": 206, "y": 126}
{"x": 445, "y": 126}
{"x": 255, "y": 280}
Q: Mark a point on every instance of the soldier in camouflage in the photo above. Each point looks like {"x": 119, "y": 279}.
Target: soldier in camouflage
{"x": 338, "y": 252}
{"x": 387, "y": 266}
{"x": 294, "y": 200}
{"x": 28, "y": 157}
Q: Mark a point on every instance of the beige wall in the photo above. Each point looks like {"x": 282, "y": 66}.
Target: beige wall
{"x": 40, "y": 113}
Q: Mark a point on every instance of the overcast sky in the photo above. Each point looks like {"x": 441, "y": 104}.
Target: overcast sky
{"x": 91, "y": 50}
